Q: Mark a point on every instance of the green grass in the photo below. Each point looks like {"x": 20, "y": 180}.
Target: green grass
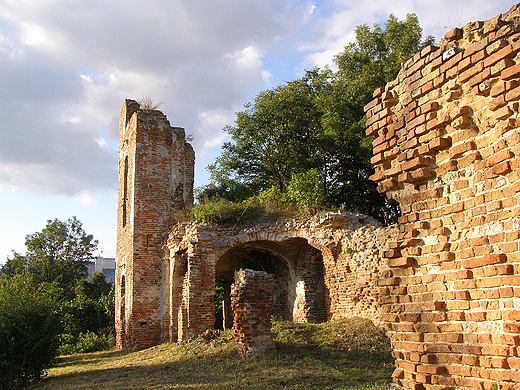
{"x": 348, "y": 354}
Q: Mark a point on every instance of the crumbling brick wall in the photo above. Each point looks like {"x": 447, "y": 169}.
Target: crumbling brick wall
{"x": 155, "y": 179}
{"x": 447, "y": 147}
{"x": 326, "y": 266}
{"x": 252, "y": 300}
{"x": 338, "y": 255}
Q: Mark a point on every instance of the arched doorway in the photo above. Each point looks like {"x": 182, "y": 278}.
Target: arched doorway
{"x": 300, "y": 292}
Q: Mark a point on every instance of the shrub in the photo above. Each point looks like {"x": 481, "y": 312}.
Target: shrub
{"x": 29, "y": 331}
{"x": 267, "y": 204}
{"x": 305, "y": 190}
{"x": 218, "y": 211}
{"x": 103, "y": 340}
{"x": 83, "y": 315}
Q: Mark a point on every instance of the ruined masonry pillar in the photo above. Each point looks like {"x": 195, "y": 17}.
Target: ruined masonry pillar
{"x": 252, "y": 300}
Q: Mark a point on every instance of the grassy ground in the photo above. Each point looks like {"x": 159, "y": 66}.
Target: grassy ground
{"x": 344, "y": 354}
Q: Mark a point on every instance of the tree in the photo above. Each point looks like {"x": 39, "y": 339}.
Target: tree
{"x": 92, "y": 309}
{"x": 373, "y": 60}
{"x": 56, "y": 256}
{"x": 317, "y": 124}
{"x": 272, "y": 139}
{"x": 29, "y": 330}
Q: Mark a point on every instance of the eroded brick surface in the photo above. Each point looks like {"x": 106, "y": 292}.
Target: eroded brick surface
{"x": 252, "y": 300}
{"x": 447, "y": 147}
{"x": 155, "y": 181}
{"x": 326, "y": 266}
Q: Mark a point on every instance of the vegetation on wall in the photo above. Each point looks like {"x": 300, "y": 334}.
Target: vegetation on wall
{"x": 306, "y": 138}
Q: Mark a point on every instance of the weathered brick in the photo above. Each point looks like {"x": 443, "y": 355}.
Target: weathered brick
{"x": 467, "y": 280}
{"x": 485, "y": 260}
{"x": 511, "y": 72}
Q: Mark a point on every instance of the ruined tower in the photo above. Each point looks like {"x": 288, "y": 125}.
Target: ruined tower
{"x": 156, "y": 170}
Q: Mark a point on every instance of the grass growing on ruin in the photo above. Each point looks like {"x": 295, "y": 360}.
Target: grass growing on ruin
{"x": 351, "y": 354}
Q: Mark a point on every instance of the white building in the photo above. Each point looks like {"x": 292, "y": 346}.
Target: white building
{"x": 107, "y": 266}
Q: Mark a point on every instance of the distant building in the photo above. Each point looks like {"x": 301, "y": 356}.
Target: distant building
{"x": 107, "y": 266}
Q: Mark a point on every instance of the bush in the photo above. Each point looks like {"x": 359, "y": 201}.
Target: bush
{"x": 305, "y": 190}
{"x": 29, "y": 331}
{"x": 83, "y": 315}
{"x": 267, "y": 204}
{"x": 218, "y": 211}
{"x": 87, "y": 342}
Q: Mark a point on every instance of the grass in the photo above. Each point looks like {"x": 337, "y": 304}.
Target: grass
{"x": 347, "y": 354}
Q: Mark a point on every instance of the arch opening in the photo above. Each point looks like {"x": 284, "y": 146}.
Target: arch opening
{"x": 300, "y": 290}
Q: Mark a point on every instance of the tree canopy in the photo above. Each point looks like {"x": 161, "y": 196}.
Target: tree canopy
{"x": 46, "y": 303}
{"x": 309, "y": 133}
{"x": 56, "y": 256}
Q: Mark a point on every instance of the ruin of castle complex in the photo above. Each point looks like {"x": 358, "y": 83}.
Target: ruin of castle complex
{"x": 444, "y": 283}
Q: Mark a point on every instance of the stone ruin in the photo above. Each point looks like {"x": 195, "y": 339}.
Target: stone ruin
{"x": 445, "y": 283}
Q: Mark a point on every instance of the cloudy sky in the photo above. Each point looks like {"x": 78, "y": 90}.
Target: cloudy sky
{"x": 66, "y": 67}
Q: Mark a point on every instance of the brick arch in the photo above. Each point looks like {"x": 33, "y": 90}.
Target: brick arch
{"x": 350, "y": 245}
{"x": 300, "y": 292}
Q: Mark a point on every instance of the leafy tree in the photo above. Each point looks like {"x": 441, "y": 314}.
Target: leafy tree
{"x": 317, "y": 124}
{"x": 29, "y": 330}
{"x": 272, "y": 138}
{"x": 57, "y": 255}
{"x": 370, "y": 62}
{"x": 92, "y": 309}
{"x": 95, "y": 288}
{"x": 305, "y": 190}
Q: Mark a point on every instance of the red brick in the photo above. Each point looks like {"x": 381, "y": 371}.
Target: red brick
{"x": 511, "y": 72}
{"x": 485, "y": 260}
{"x": 504, "y": 53}
{"x": 513, "y": 94}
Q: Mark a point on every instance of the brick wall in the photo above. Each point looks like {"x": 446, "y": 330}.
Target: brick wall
{"x": 252, "y": 300}
{"x": 155, "y": 179}
{"x": 447, "y": 147}
{"x": 325, "y": 267}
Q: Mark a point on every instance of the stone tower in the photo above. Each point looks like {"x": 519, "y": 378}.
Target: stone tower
{"x": 156, "y": 170}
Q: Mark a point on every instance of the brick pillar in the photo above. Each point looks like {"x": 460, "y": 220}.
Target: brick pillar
{"x": 252, "y": 300}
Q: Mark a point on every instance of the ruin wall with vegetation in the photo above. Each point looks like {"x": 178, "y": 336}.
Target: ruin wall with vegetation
{"x": 447, "y": 147}
{"x": 325, "y": 266}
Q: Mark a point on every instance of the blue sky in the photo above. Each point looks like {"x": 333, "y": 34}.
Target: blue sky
{"x": 66, "y": 67}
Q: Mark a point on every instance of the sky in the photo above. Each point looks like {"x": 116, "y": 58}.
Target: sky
{"x": 66, "y": 67}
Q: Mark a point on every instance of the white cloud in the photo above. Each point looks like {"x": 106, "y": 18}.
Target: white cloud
{"x": 86, "y": 198}
{"x": 67, "y": 66}
{"x": 335, "y": 29}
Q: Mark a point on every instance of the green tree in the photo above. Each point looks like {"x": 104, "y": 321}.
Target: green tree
{"x": 29, "y": 330}
{"x": 272, "y": 139}
{"x": 95, "y": 288}
{"x": 57, "y": 256}
{"x": 370, "y": 62}
{"x": 92, "y": 309}
{"x": 317, "y": 124}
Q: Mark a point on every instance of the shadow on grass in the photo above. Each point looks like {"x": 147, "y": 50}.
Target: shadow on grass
{"x": 290, "y": 367}
{"x": 88, "y": 358}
